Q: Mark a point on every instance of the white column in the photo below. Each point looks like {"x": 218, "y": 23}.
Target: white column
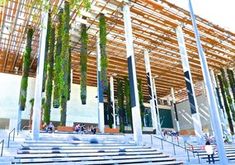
{"x": 100, "y": 89}
{"x": 216, "y": 123}
{"x": 156, "y": 106}
{"x": 175, "y": 109}
{"x": 150, "y": 89}
{"x": 112, "y": 100}
{"x": 39, "y": 77}
{"x": 189, "y": 83}
{"x": 135, "y": 105}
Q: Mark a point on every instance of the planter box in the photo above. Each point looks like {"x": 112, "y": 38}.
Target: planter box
{"x": 111, "y": 130}
{"x": 65, "y": 129}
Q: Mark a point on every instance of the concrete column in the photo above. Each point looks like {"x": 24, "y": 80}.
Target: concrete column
{"x": 175, "y": 109}
{"x": 100, "y": 89}
{"x": 112, "y": 100}
{"x": 216, "y": 123}
{"x": 150, "y": 89}
{"x": 135, "y": 105}
{"x": 39, "y": 77}
{"x": 189, "y": 84}
{"x": 156, "y": 106}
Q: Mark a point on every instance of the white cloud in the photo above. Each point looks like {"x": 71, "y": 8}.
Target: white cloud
{"x": 218, "y": 12}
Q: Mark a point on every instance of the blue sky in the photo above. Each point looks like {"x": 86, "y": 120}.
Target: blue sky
{"x": 220, "y": 12}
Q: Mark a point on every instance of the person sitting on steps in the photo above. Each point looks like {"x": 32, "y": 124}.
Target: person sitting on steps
{"x": 50, "y": 127}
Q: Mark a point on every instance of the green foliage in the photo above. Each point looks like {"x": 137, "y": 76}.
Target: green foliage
{"x": 227, "y": 108}
{"x": 109, "y": 108}
{"x": 78, "y": 3}
{"x": 58, "y": 79}
{"x": 63, "y": 111}
{"x": 231, "y": 81}
{"x": 26, "y": 67}
{"x": 141, "y": 101}
{"x": 128, "y": 103}
{"x": 69, "y": 77}
{"x": 50, "y": 61}
{"x": 104, "y": 59}
{"x": 227, "y": 93}
{"x": 83, "y": 63}
{"x": 65, "y": 61}
{"x": 120, "y": 97}
{"x": 46, "y": 52}
{"x": 65, "y": 49}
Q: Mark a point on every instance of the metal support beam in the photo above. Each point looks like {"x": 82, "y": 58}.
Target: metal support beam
{"x": 135, "y": 105}
{"x": 151, "y": 92}
{"x": 112, "y": 101}
{"x": 156, "y": 105}
{"x": 39, "y": 77}
{"x": 216, "y": 123}
{"x": 189, "y": 84}
{"x": 100, "y": 89}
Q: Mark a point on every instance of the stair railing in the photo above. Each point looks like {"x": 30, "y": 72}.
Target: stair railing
{"x": 2, "y": 143}
{"x": 176, "y": 145}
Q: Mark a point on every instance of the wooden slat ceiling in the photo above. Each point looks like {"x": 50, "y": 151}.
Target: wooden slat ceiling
{"x": 153, "y": 26}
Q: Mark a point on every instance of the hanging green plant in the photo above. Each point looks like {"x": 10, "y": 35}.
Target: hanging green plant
{"x": 231, "y": 81}
{"x": 83, "y": 63}
{"x": 50, "y": 61}
{"x": 128, "y": 103}
{"x": 120, "y": 97}
{"x": 58, "y": 79}
{"x": 227, "y": 109}
{"x": 26, "y": 67}
{"x": 104, "y": 59}
{"x": 69, "y": 77}
{"x": 109, "y": 108}
{"x": 227, "y": 93}
{"x": 46, "y": 52}
{"x": 31, "y": 101}
{"x": 141, "y": 100}
{"x": 65, "y": 61}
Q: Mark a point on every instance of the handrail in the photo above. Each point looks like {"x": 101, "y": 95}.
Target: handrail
{"x": 9, "y": 136}
{"x": 2, "y": 142}
{"x": 174, "y": 144}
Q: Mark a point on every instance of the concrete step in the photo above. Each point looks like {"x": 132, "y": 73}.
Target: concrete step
{"x": 75, "y": 144}
{"x": 83, "y": 147}
{"x": 114, "y": 161}
{"x": 25, "y": 156}
{"x": 83, "y": 151}
{"x": 94, "y": 158}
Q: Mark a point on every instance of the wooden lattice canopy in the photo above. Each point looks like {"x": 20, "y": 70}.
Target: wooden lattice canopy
{"x": 153, "y": 26}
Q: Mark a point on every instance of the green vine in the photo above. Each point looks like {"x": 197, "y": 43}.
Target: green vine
{"x": 46, "y": 52}
{"x": 227, "y": 109}
{"x": 231, "y": 82}
{"x": 69, "y": 77}
{"x": 49, "y": 79}
{"x": 227, "y": 93}
{"x": 141, "y": 100}
{"x": 120, "y": 97}
{"x": 65, "y": 61}
{"x": 109, "y": 108}
{"x": 104, "y": 59}
{"x": 83, "y": 63}
{"x": 26, "y": 67}
{"x": 58, "y": 79}
{"x": 128, "y": 103}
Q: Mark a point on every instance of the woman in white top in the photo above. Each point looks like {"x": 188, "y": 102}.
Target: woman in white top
{"x": 210, "y": 151}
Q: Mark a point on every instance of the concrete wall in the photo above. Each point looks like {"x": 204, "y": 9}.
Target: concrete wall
{"x": 184, "y": 114}
{"x": 10, "y": 89}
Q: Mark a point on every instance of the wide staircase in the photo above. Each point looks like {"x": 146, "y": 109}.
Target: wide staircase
{"x": 92, "y": 149}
